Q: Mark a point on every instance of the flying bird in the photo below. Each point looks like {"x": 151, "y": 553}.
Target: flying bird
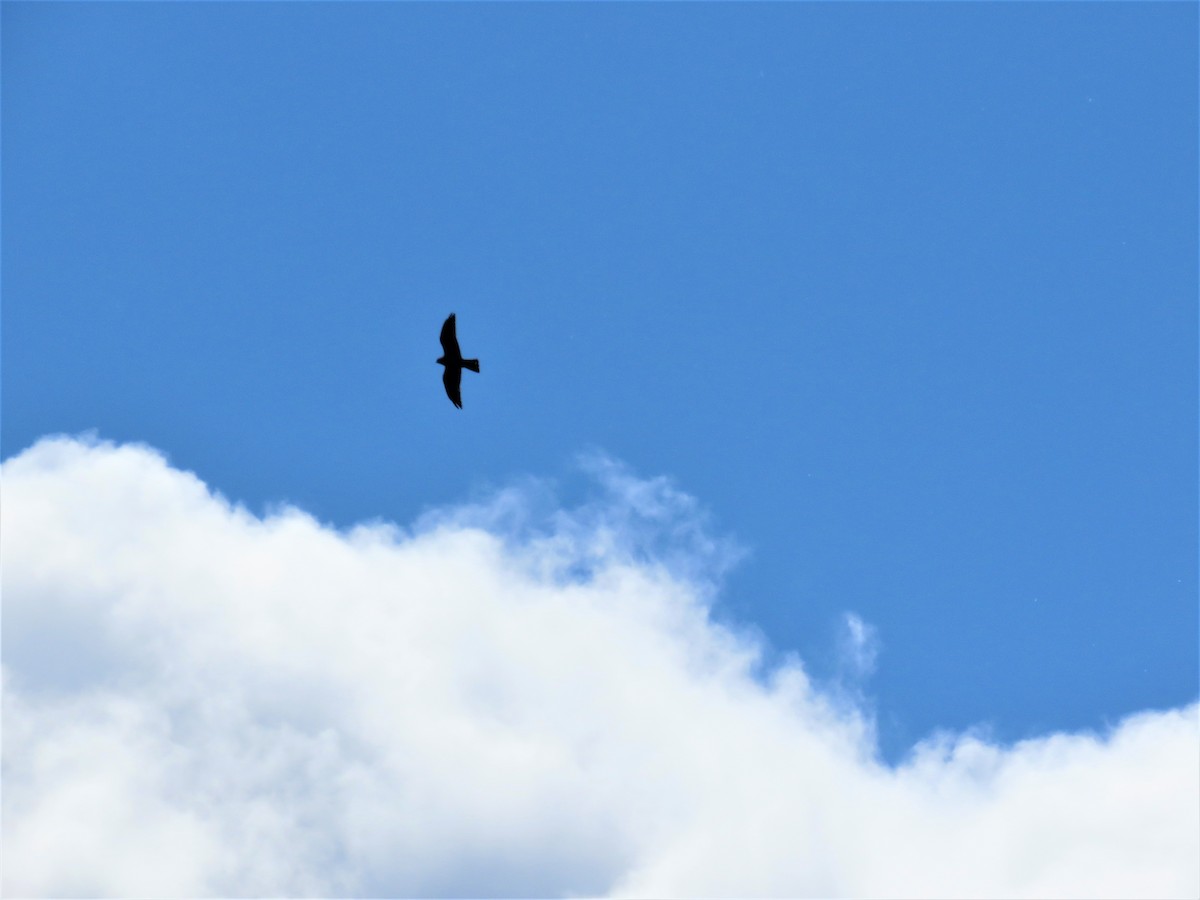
{"x": 453, "y": 361}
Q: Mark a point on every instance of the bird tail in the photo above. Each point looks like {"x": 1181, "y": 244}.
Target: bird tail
{"x": 472, "y": 364}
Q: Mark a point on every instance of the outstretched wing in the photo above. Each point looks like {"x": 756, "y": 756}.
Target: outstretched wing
{"x": 452, "y": 378}
{"x": 450, "y": 345}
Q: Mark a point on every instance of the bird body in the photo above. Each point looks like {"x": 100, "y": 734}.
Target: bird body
{"x": 453, "y": 362}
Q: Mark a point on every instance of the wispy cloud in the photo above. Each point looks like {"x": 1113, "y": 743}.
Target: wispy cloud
{"x": 506, "y": 698}
{"x": 859, "y": 645}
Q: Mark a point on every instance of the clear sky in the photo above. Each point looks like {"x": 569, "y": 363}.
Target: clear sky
{"x": 904, "y": 295}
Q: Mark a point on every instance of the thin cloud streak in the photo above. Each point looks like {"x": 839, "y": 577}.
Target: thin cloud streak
{"x": 501, "y": 700}
{"x": 860, "y": 645}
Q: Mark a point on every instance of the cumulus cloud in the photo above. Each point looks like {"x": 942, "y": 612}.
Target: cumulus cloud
{"x": 506, "y": 698}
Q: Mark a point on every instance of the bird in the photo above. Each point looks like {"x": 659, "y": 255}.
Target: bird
{"x": 453, "y": 362}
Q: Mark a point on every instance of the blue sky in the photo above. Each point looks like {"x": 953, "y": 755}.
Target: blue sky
{"x": 905, "y": 295}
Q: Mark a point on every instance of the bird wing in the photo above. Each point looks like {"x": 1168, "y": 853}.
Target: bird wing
{"x": 452, "y": 378}
{"x": 450, "y": 340}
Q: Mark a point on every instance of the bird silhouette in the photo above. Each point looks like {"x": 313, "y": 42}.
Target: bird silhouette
{"x": 453, "y": 361}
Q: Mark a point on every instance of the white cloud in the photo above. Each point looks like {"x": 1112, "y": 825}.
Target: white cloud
{"x": 860, "y": 646}
{"x": 201, "y": 702}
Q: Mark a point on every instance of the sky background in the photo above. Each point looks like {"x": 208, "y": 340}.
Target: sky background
{"x": 905, "y": 295}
